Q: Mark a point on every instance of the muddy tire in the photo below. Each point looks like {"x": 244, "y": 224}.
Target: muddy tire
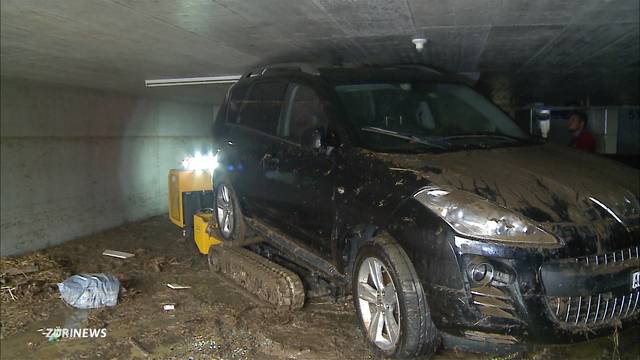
{"x": 390, "y": 301}
{"x": 228, "y": 213}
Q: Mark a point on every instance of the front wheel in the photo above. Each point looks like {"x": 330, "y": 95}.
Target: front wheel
{"x": 390, "y": 301}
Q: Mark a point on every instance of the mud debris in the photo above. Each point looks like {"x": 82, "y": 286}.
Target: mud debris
{"x": 214, "y": 319}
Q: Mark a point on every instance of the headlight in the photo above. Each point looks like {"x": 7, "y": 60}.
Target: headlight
{"x": 201, "y": 162}
{"x": 471, "y": 215}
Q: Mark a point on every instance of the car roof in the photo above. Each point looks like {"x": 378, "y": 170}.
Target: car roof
{"x": 395, "y": 73}
{"x": 336, "y": 75}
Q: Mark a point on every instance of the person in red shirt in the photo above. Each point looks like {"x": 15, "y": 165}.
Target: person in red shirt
{"x": 582, "y": 138}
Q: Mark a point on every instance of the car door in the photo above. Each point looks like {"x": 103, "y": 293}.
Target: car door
{"x": 306, "y": 184}
{"x": 252, "y": 138}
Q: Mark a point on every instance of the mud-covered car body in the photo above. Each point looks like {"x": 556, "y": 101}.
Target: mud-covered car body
{"x": 331, "y": 198}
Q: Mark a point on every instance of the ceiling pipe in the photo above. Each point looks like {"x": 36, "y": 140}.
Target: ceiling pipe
{"x": 203, "y": 80}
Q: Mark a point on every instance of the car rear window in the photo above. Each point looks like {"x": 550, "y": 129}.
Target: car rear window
{"x": 261, "y": 107}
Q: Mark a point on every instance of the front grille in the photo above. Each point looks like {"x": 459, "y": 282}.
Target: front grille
{"x": 611, "y": 258}
{"x": 598, "y": 310}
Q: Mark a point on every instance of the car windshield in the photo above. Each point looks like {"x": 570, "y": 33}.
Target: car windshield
{"x": 415, "y": 117}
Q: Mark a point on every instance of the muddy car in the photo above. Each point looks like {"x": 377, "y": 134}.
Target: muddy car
{"x": 447, "y": 222}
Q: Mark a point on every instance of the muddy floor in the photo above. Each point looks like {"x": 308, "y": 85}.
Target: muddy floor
{"x": 214, "y": 319}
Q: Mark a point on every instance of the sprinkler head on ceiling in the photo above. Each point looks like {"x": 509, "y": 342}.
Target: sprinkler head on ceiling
{"x": 419, "y": 43}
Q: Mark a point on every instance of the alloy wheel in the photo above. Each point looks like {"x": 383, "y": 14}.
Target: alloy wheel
{"x": 224, "y": 213}
{"x": 378, "y": 303}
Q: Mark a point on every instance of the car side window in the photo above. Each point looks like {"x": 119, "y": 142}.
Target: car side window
{"x": 261, "y": 107}
{"x": 305, "y": 112}
{"x": 236, "y": 100}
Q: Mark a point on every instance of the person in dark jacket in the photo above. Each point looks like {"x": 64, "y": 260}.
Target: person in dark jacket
{"x": 582, "y": 138}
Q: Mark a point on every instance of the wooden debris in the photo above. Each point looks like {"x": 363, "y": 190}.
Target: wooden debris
{"x": 9, "y": 290}
{"x": 139, "y": 347}
{"x": 159, "y": 263}
{"x": 23, "y": 276}
{"x": 156, "y": 264}
{"x": 22, "y": 270}
{"x": 118, "y": 254}
{"x": 178, "y": 287}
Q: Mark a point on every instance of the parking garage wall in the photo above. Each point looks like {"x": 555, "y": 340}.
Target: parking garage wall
{"x": 78, "y": 161}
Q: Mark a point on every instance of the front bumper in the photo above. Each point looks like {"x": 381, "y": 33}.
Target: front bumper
{"x": 535, "y": 297}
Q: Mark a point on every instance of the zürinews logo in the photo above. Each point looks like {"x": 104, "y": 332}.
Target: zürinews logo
{"x": 53, "y": 334}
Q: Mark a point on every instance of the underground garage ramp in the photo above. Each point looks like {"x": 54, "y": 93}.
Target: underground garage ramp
{"x": 319, "y": 179}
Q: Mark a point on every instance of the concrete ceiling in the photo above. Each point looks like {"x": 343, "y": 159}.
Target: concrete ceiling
{"x": 545, "y": 50}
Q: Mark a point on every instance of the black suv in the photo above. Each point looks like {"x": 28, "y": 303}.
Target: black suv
{"x": 443, "y": 218}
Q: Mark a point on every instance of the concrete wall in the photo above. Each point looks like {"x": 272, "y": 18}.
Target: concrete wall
{"x": 77, "y": 161}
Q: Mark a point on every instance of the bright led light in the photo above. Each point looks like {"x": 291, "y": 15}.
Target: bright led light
{"x": 199, "y": 162}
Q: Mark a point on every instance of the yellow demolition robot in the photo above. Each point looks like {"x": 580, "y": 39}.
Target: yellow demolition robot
{"x": 191, "y": 200}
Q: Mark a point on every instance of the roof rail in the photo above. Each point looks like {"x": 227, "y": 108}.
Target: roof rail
{"x": 294, "y": 66}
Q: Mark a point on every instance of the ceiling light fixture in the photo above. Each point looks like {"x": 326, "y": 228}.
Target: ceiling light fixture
{"x": 203, "y": 80}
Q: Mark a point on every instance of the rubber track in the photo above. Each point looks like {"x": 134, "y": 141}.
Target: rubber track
{"x": 267, "y": 280}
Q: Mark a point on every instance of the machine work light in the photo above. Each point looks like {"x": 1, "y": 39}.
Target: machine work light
{"x": 201, "y": 162}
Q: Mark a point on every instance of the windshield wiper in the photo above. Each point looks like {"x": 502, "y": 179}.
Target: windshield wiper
{"x": 482, "y": 134}
{"x": 437, "y": 143}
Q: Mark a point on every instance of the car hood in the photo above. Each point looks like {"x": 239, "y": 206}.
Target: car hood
{"x": 552, "y": 185}
{"x": 546, "y": 183}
